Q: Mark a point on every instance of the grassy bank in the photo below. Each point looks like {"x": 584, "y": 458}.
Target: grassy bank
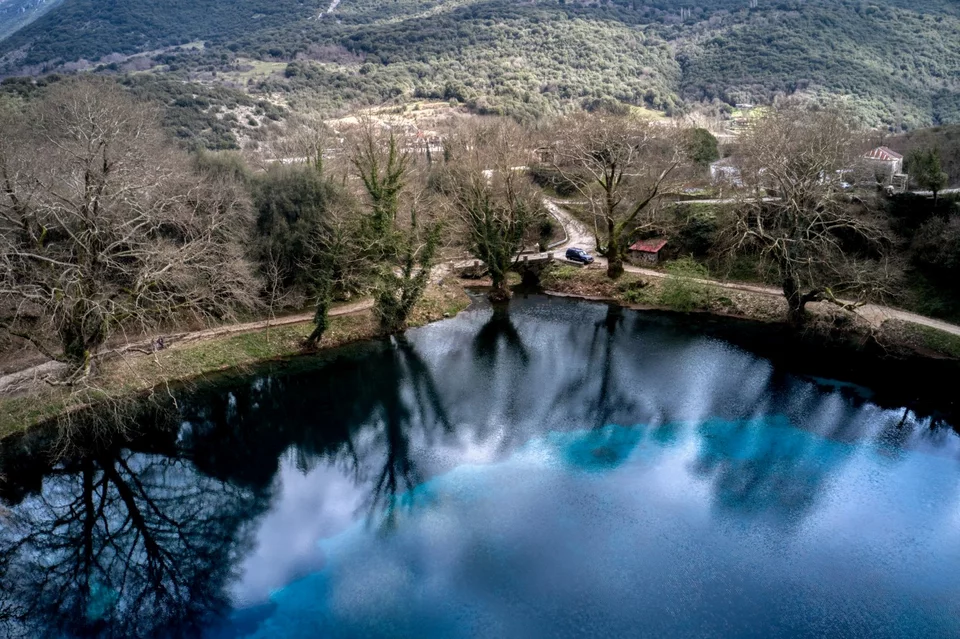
{"x": 897, "y": 338}
{"x": 192, "y": 361}
{"x": 675, "y": 294}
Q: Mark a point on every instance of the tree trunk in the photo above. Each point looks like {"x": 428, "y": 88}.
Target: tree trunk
{"x": 796, "y": 313}
{"x": 320, "y": 320}
{"x": 614, "y": 267}
{"x": 499, "y": 292}
{"x": 614, "y": 256}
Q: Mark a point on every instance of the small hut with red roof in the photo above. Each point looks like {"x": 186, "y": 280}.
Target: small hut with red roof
{"x": 647, "y": 251}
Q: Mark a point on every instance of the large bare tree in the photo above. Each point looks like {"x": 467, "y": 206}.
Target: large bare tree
{"x": 104, "y": 228}
{"x": 795, "y": 213}
{"x": 622, "y": 165}
{"x": 488, "y": 185}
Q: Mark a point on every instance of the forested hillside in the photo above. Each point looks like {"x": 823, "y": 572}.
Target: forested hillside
{"x": 897, "y": 63}
{"x": 15, "y": 14}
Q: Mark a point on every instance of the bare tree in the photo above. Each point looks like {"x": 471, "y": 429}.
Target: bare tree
{"x": 795, "y": 213}
{"x": 307, "y": 139}
{"x": 491, "y": 192}
{"x": 104, "y": 228}
{"x": 622, "y": 166}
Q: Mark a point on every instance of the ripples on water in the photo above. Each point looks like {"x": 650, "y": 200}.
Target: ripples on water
{"x": 566, "y": 469}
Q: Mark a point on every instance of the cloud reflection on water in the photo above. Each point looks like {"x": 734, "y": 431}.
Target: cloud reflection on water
{"x": 267, "y": 467}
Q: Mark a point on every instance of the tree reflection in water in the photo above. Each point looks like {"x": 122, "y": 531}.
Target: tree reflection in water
{"x": 397, "y": 414}
{"x": 766, "y": 469}
{"x": 144, "y": 537}
{"x": 124, "y": 544}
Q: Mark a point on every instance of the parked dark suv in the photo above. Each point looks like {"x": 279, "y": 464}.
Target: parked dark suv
{"x": 575, "y": 254}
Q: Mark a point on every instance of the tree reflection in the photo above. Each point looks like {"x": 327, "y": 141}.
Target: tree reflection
{"x": 498, "y": 340}
{"x": 124, "y": 544}
{"x": 359, "y": 414}
{"x": 140, "y": 538}
{"x": 397, "y": 415}
{"x": 759, "y": 468}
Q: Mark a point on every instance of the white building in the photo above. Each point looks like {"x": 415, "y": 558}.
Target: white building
{"x": 886, "y": 164}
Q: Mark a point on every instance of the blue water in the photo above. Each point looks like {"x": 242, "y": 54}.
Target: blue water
{"x": 566, "y": 470}
{"x": 645, "y": 531}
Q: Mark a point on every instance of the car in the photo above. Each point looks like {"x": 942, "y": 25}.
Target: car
{"x": 575, "y": 254}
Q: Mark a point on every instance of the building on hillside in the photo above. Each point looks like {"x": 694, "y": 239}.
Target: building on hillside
{"x": 886, "y": 165}
{"x": 646, "y": 251}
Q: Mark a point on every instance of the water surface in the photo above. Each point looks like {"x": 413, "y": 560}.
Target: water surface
{"x": 564, "y": 469}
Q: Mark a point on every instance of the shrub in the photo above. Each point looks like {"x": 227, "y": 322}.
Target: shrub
{"x": 636, "y": 292}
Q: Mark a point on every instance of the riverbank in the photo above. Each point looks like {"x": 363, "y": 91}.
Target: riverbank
{"x": 892, "y": 336}
{"x": 194, "y": 356}
{"x": 191, "y": 359}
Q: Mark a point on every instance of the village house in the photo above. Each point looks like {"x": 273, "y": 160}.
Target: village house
{"x": 646, "y": 251}
{"x": 886, "y": 165}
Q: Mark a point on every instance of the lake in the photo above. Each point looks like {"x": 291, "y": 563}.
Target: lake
{"x": 560, "y": 468}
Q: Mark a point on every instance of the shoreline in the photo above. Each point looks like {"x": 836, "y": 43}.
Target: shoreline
{"x": 238, "y": 349}
{"x": 129, "y": 376}
{"x": 896, "y": 338}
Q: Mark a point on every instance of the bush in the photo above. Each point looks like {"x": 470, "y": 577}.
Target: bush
{"x": 549, "y": 178}
{"x": 636, "y": 292}
{"x": 292, "y": 203}
{"x": 698, "y": 233}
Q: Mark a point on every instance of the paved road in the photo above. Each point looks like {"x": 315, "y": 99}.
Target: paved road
{"x": 577, "y": 233}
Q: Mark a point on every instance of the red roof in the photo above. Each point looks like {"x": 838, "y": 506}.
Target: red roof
{"x": 649, "y": 246}
{"x": 883, "y": 153}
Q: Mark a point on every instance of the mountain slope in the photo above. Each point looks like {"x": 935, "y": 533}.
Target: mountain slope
{"x": 91, "y": 29}
{"x": 896, "y": 64}
{"x": 16, "y": 14}
{"x": 890, "y": 59}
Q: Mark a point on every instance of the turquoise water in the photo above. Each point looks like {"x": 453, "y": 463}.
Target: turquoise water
{"x": 697, "y": 530}
{"x": 561, "y": 470}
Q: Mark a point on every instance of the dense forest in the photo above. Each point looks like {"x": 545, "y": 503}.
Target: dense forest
{"x": 898, "y": 65}
{"x": 199, "y": 116}
{"x": 16, "y": 14}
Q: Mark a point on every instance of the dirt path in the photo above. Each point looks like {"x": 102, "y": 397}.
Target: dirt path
{"x": 873, "y": 313}
{"x": 578, "y": 235}
{"x": 29, "y": 377}
{"x": 247, "y": 327}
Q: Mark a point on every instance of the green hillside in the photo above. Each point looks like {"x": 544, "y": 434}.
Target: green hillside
{"x": 16, "y": 14}
{"x": 896, "y": 63}
{"x": 91, "y": 29}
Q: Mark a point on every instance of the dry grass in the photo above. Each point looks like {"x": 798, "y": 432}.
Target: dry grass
{"x": 921, "y": 339}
